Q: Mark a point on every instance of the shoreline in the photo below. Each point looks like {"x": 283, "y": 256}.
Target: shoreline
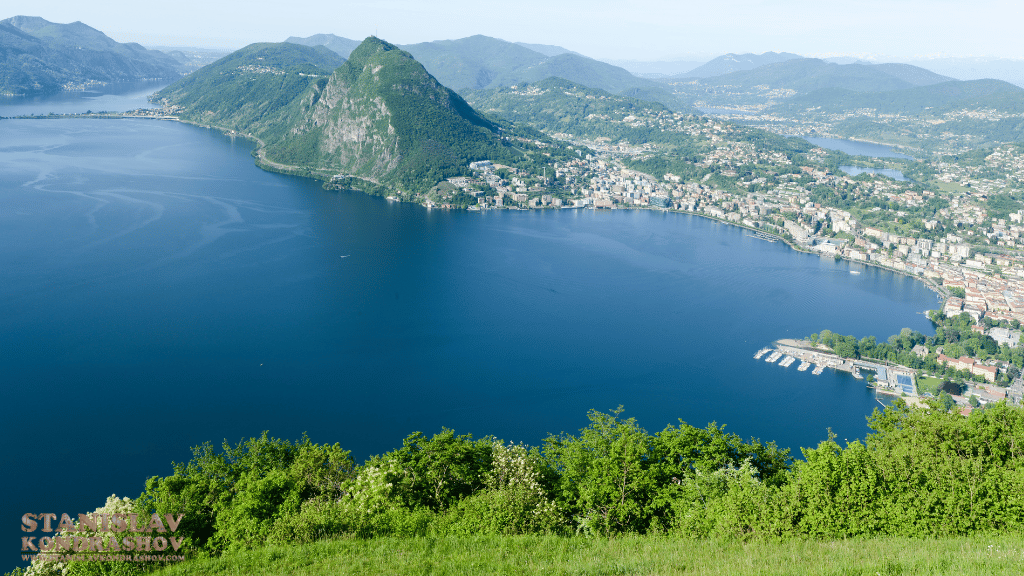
{"x": 270, "y": 166}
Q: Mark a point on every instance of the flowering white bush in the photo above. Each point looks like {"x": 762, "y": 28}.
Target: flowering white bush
{"x": 44, "y": 564}
{"x": 513, "y": 502}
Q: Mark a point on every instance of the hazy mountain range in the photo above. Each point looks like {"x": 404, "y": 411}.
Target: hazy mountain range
{"x": 40, "y": 56}
{"x": 805, "y": 75}
{"x": 737, "y": 62}
{"x": 480, "y": 62}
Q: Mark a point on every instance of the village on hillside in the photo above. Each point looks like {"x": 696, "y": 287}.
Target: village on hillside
{"x": 949, "y": 236}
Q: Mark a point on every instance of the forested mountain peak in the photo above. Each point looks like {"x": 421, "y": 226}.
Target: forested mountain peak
{"x": 379, "y": 117}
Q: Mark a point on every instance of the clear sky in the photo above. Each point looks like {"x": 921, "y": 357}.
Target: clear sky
{"x": 617, "y": 29}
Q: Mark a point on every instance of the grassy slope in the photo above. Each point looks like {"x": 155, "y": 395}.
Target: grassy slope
{"x": 524, "y": 555}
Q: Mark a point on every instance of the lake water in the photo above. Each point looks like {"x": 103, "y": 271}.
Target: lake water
{"x": 858, "y": 148}
{"x": 110, "y": 98}
{"x": 159, "y": 291}
{"x": 891, "y": 173}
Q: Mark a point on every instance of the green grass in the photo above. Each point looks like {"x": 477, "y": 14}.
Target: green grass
{"x": 526, "y": 555}
{"x": 929, "y": 384}
{"x": 948, "y": 187}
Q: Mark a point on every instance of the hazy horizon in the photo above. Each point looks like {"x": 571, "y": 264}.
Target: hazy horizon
{"x": 645, "y": 31}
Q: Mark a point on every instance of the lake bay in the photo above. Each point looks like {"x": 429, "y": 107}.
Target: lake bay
{"x": 160, "y": 291}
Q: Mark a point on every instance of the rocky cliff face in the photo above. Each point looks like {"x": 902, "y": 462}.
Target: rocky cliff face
{"x": 378, "y": 116}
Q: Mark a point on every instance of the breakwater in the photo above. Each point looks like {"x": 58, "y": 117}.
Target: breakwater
{"x": 888, "y": 377}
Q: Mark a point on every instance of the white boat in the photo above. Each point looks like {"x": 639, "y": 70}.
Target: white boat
{"x": 804, "y": 366}
{"x": 775, "y": 356}
{"x": 787, "y": 361}
{"x": 854, "y": 271}
{"x": 760, "y": 353}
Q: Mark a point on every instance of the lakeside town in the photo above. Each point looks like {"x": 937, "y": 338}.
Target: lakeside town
{"x": 950, "y": 234}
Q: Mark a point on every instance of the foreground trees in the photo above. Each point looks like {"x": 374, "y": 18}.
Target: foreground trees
{"x": 920, "y": 472}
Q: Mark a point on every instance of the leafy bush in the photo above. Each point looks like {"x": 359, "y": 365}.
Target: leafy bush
{"x": 514, "y": 501}
{"x": 232, "y": 499}
{"x": 920, "y": 472}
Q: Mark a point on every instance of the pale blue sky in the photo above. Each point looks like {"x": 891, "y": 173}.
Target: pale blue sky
{"x": 631, "y": 29}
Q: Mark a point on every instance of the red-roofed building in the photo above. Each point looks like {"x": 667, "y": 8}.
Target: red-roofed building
{"x": 989, "y": 372}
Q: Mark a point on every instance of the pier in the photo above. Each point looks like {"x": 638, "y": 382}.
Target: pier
{"x": 888, "y": 378}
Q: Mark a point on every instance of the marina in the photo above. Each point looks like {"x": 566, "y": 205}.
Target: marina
{"x": 764, "y": 236}
{"x": 888, "y": 378}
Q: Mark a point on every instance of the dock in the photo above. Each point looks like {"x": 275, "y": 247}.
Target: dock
{"x": 888, "y": 377}
{"x": 763, "y": 236}
{"x": 761, "y": 352}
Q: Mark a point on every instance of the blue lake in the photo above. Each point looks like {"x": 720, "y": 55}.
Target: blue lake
{"x": 891, "y": 173}
{"x": 110, "y": 98}
{"x": 159, "y": 291}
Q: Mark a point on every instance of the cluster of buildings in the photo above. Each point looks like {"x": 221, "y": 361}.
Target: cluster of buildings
{"x": 973, "y": 366}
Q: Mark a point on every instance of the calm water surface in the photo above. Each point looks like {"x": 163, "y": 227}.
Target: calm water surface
{"x": 159, "y": 291}
{"x": 110, "y": 98}
{"x": 891, "y": 173}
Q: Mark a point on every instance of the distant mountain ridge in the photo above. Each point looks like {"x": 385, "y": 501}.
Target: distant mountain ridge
{"x": 1006, "y": 69}
{"x": 737, "y": 62}
{"x": 935, "y": 98}
{"x": 342, "y": 46}
{"x": 481, "y": 62}
{"x": 547, "y": 49}
{"x": 38, "y": 56}
{"x": 805, "y": 75}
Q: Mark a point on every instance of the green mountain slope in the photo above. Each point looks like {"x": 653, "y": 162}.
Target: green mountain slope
{"x": 546, "y": 49}
{"x": 579, "y": 69}
{"x": 473, "y": 62}
{"x": 247, "y": 89}
{"x": 379, "y": 116}
{"x": 39, "y": 56}
{"x": 557, "y": 105}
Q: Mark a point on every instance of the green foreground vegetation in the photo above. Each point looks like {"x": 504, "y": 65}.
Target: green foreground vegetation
{"x": 927, "y": 491}
{"x": 526, "y": 555}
